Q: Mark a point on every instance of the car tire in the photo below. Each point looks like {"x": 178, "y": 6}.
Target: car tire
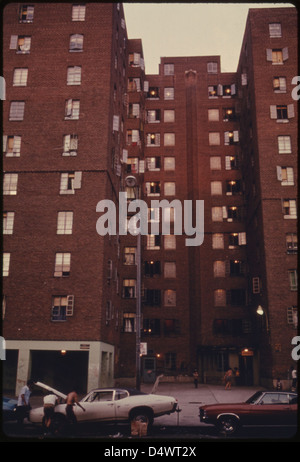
{"x": 228, "y": 425}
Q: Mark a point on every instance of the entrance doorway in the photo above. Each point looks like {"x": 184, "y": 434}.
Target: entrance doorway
{"x": 246, "y": 369}
{"x": 149, "y": 369}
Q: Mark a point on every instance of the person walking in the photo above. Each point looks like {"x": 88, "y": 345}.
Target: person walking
{"x": 196, "y": 376}
{"x": 23, "y": 405}
{"x": 228, "y": 379}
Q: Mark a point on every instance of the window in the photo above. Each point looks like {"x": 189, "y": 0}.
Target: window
{"x": 74, "y": 75}
{"x": 215, "y": 163}
{"x": 170, "y": 242}
{"x": 282, "y": 112}
{"x": 213, "y": 115}
{"x": 237, "y": 239}
{"x": 134, "y": 59}
{"x": 213, "y": 91}
{"x": 64, "y": 222}
{"x": 284, "y": 144}
{"x": 153, "y": 93}
{"x": 10, "y": 182}
{"x": 169, "y": 163}
{"x": 152, "y": 268}
{"x": 8, "y": 222}
{"x": 169, "y": 93}
{"x": 69, "y": 182}
{"x": 229, "y": 114}
{"x": 20, "y": 77}
{"x": 151, "y": 327}
{"x": 153, "y": 164}
{"x": 12, "y": 146}
{"x": 171, "y": 327}
{"x": 233, "y": 213}
{"x": 275, "y": 30}
{"x": 132, "y": 137}
{"x": 62, "y": 264}
{"x": 236, "y": 297}
{"x": 78, "y": 13}
{"x": 216, "y": 187}
{"x": 236, "y": 268}
{"x": 153, "y": 241}
{"x": 277, "y": 56}
{"x": 231, "y": 137}
{"x": 129, "y": 256}
{"x": 17, "y": 109}
{"x": 219, "y": 269}
{"x": 279, "y": 84}
{"x": 212, "y": 68}
{"x": 214, "y": 138}
{"x": 285, "y": 175}
{"x": 134, "y": 84}
{"x": 152, "y": 297}
{"x": 76, "y": 42}
{"x": 170, "y": 297}
{"x": 153, "y": 188}
{"x": 217, "y": 213}
{"x": 170, "y": 269}
{"x": 62, "y": 306}
{"x": 169, "y": 139}
{"x": 218, "y": 241}
{"x": 293, "y": 278}
{"x": 153, "y": 139}
{"x": 233, "y": 187}
{"x": 72, "y": 109}
{"x": 289, "y": 208}
{"x": 132, "y": 165}
{"x": 26, "y": 14}
{"x": 169, "y": 189}
{"x": 292, "y": 243}
{"x": 169, "y": 115}
{"x": 292, "y": 315}
{"x": 134, "y": 111}
{"x": 153, "y": 116}
{"x": 129, "y": 324}
{"x": 232, "y": 162}
{"x": 168, "y": 69}
{"x": 220, "y": 297}
{"x": 70, "y": 145}
{"x": 129, "y": 288}
{"x": 21, "y": 44}
{"x": 6, "y": 264}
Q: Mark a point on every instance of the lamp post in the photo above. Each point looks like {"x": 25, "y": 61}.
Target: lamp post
{"x": 260, "y": 311}
{"x": 131, "y": 182}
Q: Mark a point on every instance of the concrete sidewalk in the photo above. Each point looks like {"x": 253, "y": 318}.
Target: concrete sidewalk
{"x": 191, "y": 398}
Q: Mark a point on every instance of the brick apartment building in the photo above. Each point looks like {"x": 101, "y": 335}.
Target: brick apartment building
{"x": 80, "y": 117}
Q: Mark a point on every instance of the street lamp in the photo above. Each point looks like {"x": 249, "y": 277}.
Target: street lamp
{"x": 131, "y": 182}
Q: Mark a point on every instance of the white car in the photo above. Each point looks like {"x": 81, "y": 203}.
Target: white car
{"x": 111, "y": 405}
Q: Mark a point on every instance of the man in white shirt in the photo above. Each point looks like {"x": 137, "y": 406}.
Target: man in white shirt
{"x": 49, "y": 405}
{"x": 23, "y": 405}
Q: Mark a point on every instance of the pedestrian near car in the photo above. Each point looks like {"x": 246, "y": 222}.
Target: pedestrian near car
{"x": 49, "y": 407}
{"x": 23, "y": 405}
{"x": 196, "y": 376}
{"x": 228, "y": 379}
{"x": 294, "y": 378}
{"x": 72, "y": 399}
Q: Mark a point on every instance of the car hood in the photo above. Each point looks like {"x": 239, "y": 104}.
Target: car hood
{"x": 46, "y": 387}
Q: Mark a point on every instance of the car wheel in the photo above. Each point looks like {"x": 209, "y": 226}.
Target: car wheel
{"x": 228, "y": 424}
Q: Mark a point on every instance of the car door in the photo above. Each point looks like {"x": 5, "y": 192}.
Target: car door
{"x": 99, "y": 405}
{"x": 272, "y": 409}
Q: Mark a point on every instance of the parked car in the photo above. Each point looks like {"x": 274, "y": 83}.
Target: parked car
{"x": 268, "y": 408}
{"x": 9, "y": 408}
{"x": 112, "y": 405}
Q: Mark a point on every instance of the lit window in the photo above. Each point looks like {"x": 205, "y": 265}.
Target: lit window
{"x": 76, "y": 42}
{"x": 26, "y": 14}
{"x": 292, "y": 243}
{"x": 170, "y": 297}
{"x": 12, "y": 146}
{"x": 279, "y": 84}
{"x": 169, "y": 93}
{"x": 213, "y": 115}
{"x": 289, "y": 208}
{"x": 62, "y": 264}
{"x": 129, "y": 288}
{"x": 275, "y": 29}
{"x": 284, "y": 144}
{"x": 214, "y": 138}
{"x": 218, "y": 241}
{"x": 64, "y": 222}
{"x": 220, "y": 297}
{"x": 8, "y": 222}
{"x": 20, "y": 77}
{"x": 74, "y": 75}
{"x": 169, "y": 139}
{"x": 169, "y": 189}
{"x": 169, "y": 163}
{"x": 169, "y": 115}
{"x": 285, "y": 175}
{"x": 17, "y": 109}
{"x": 10, "y": 181}
{"x": 78, "y": 13}
{"x": 216, "y": 188}
{"x": 170, "y": 242}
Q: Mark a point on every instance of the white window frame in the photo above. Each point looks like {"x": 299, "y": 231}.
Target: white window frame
{"x": 10, "y": 184}
{"x": 8, "y": 222}
{"x": 6, "y": 264}
{"x": 70, "y": 143}
{"x": 169, "y": 93}
{"x": 62, "y": 264}
{"x": 72, "y": 109}
{"x": 169, "y": 69}
{"x": 64, "y": 222}
{"x": 74, "y": 75}
{"x": 76, "y": 43}
{"x": 12, "y": 145}
{"x": 20, "y": 77}
{"x": 17, "y": 111}
{"x": 78, "y": 12}
{"x": 284, "y": 144}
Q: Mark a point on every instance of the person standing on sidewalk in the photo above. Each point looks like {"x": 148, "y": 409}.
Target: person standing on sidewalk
{"x": 196, "y": 376}
{"x": 23, "y": 406}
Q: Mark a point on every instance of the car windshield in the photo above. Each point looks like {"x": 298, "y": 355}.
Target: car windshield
{"x": 253, "y": 399}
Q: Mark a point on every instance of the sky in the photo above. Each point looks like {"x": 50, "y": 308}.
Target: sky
{"x": 190, "y": 29}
